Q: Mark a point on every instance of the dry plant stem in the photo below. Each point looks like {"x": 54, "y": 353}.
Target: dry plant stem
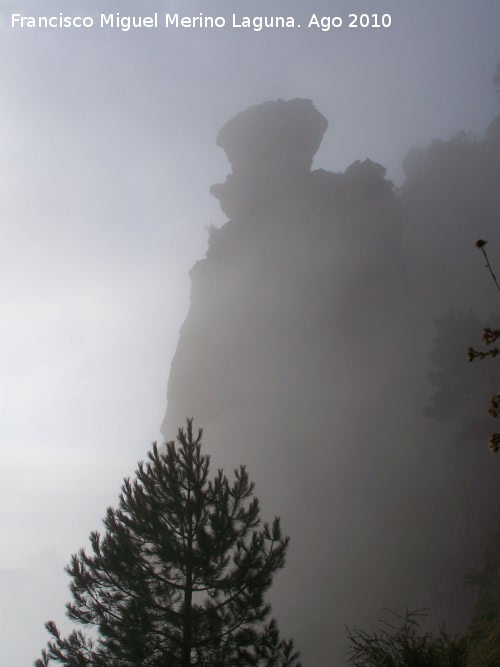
{"x": 489, "y": 337}
{"x": 488, "y": 266}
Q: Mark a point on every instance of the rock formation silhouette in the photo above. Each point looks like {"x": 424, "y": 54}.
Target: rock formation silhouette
{"x": 304, "y": 356}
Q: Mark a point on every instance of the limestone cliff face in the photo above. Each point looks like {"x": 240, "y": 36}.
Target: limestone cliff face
{"x": 299, "y": 357}
{"x": 305, "y": 255}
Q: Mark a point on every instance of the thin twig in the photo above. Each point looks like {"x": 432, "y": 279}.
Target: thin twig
{"x": 480, "y": 245}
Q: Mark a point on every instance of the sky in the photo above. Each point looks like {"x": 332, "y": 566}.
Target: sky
{"x": 107, "y": 153}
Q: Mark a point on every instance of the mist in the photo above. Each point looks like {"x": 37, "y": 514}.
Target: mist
{"x": 305, "y": 354}
{"x": 284, "y": 284}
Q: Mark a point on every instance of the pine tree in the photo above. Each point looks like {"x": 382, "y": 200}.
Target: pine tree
{"x": 178, "y": 578}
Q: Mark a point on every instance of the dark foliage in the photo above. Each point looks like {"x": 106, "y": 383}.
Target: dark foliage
{"x": 403, "y": 645}
{"x": 178, "y": 578}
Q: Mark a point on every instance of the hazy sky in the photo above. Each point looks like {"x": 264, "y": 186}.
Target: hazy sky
{"x": 107, "y": 152}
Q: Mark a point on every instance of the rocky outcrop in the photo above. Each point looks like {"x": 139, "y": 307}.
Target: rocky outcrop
{"x": 303, "y": 357}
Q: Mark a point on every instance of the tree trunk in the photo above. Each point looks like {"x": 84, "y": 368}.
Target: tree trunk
{"x": 188, "y": 592}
